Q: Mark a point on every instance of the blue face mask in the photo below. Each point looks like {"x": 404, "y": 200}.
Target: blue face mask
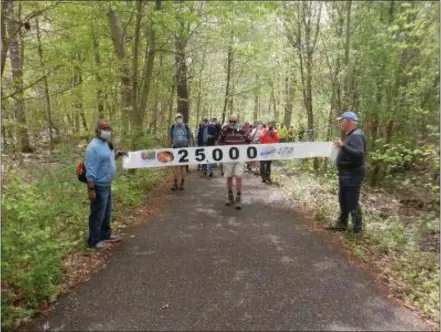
{"x": 106, "y": 134}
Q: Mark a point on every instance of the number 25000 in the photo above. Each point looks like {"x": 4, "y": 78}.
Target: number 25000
{"x": 217, "y": 154}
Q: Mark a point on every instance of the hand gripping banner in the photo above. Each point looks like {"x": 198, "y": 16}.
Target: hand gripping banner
{"x": 227, "y": 154}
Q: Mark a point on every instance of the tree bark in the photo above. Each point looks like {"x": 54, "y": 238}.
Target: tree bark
{"x": 227, "y": 88}
{"x": 5, "y": 43}
{"x": 120, "y": 51}
{"x": 16, "y": 56}
{"x": 199, "y": 98}
{"x": 99, "y": 93}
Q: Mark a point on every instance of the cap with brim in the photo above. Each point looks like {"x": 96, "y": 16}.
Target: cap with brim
{"x": 348, "y": 116}
{"x": 178, "y": 115}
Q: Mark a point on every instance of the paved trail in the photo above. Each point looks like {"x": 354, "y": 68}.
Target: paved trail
{"x": 203, "y": 266}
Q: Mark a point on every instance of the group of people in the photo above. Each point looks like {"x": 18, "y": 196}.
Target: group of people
{"x": 101, "y": 170}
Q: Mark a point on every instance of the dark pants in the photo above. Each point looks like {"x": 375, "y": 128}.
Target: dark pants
{"x": 265, "y": 169}
{"x": 348, "y": 197}
{"x": 100, "y": 213}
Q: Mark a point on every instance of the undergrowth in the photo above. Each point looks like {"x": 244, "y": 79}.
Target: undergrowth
{"x": 44, "y": 217}
{"x": 392, "y": 237}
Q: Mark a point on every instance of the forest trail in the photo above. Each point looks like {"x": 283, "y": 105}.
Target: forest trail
{"x": 199, "y": 265}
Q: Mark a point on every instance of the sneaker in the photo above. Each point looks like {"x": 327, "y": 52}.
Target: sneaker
{"x": 103, "y": 245}
{"x": 114, "y": 239}
{"x": 238, "y": 203}
{"x": 230, "y": 200}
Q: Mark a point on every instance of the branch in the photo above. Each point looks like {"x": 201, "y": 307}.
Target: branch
{"x": 29, "y": 86}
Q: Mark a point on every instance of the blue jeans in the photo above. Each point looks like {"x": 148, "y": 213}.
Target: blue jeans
{"x": 100, "y": 214}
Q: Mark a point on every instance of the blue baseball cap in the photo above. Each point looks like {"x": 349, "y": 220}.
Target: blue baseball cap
{"x": 348, "y": 116}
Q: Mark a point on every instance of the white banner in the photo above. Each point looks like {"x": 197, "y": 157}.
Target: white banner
{"x": 227, "y": 153}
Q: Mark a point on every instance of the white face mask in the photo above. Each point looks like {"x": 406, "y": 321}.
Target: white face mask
{"x": 179, "y": 120}
{"x": 106, "y": 134}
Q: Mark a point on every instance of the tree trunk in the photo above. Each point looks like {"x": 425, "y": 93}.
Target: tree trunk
{"x": 227, "y": 88}
{"x": 349, "y": 77}
{"x": 181, "y": 78}
{"x": 171, "y": 100}
{"x": 99, "y": 93}
{"x": 273, "y": 101}
{"x": 16, "y": 56}
{"x": 4, "y": 37}
{"x": 120, "y": 51}
{"x": 46, "y": 85}
{"x": 289, "y": 97}
{"x": 199, "y": 98}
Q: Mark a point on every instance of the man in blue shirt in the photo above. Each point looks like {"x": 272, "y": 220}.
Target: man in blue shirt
{"x": 100, "y": 172}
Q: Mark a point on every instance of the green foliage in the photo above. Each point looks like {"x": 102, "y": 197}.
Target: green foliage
{"x": 43, "y": 220}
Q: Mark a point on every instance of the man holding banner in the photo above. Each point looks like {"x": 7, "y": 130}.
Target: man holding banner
{"x": 232, "y": 135}
{"x": 351, "y": 171}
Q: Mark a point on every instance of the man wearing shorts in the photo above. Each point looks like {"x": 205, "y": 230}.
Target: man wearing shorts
{"x": 180, "y": 136}
{"x": 232, "y": 135}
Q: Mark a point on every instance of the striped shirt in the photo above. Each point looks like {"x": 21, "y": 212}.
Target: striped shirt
{"x": 231, "y": 136}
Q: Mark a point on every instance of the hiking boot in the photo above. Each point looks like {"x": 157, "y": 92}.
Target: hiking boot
{"x": 230, "y": 200}
{"x": 357, "y": 230}
{"x": 238, "y": 202}
{"x": 174, "y": 187}
{"x": 339, "y": 227}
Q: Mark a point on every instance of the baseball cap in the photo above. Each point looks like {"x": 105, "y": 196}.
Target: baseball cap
{"x": 178, "y": 115}
{"x": 348, "y": 116}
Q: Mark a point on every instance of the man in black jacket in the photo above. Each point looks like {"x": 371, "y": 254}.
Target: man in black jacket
{"x": 351, "y": 172}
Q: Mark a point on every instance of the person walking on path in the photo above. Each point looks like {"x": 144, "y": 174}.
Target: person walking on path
{"x": 291, "y": 134}
{"x": 180, "y": 136}
{"x": 100, "y": 172}
{"x": 269, "y": 136}
{"x": 351, "y": 172}
{"x": 283, "y": 132}
{"x": 232, "y": 135}
{"x": 207, "y": 136}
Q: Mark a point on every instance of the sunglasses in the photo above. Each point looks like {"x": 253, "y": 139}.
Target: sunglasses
{"x": 232, "y": 121}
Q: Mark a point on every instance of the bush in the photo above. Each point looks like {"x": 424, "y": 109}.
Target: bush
{"x": 42, "y": 221}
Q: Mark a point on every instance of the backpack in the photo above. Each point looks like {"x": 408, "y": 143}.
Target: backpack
{"x": 81, "y": 168}
{"x": 173, "y": 128}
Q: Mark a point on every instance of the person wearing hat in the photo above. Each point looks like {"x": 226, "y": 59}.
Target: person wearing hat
{"x": 180, "y": 136}
{"x": 351, "y": 172}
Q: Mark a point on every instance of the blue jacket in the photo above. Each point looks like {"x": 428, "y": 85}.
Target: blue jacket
{"x": 212, "y": 132}
{"x": 100, "y": 162}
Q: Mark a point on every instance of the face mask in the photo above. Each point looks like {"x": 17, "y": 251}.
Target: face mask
{"x": 179, "y": 121}
{"x": 106, "y": 134}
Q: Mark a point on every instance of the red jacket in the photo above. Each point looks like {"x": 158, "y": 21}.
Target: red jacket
{"x": 265, "y": 137}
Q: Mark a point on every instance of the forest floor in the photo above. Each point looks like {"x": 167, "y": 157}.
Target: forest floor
{"x": 193, "y": 264}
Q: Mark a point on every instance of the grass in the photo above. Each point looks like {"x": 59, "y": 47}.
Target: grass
{"x": 44, "y": 218}
{"x": 392, "y": 239}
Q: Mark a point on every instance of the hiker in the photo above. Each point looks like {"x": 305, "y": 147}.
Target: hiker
{"x": 291, "y": 134}
{"x": 100, "y": 172}
{"x": 255, "y": 139}
{"x": 180, "y": 136}
{"x": 232, "y": 135}
{"x": 283, "y": 132}
{"x": 207, "y": 136}
{"x": 351, "y": 172}
{"x": 301, "y": 133}
{"x": 269, "y": 136}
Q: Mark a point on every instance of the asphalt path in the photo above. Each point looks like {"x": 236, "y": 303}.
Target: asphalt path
{"x": 199, "y": 265}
